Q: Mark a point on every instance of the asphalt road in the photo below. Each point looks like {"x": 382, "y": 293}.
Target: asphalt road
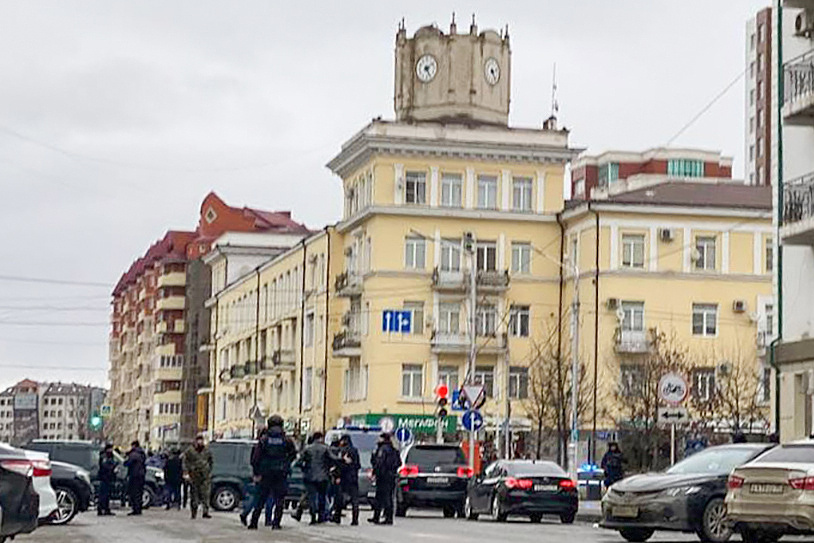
{"x": 160, "y": 526}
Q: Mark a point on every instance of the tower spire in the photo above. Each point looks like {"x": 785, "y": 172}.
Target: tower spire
{"x": 453, "y": 28}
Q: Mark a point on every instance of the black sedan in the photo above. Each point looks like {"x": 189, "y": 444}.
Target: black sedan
{"x": 19, "y": 502}
{"x": 73, "y": 488}
{"x": 688, "y": 497}
{"x": 522, "y": 487}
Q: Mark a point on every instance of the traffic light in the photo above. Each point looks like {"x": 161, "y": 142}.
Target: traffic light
{"x": 441, "y": 400}
{"x": 469, "y": 242}
{"x": 95, "y": 422}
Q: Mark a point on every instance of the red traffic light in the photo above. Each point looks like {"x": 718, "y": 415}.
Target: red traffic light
{"x": 442, "y": 390}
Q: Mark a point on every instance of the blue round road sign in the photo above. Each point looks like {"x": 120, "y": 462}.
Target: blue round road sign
{"x": 403, "y": 435}
{"x": 472, "y": 420}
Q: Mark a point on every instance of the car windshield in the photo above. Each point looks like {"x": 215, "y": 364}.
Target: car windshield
{"x": 435, "y": 456}
{"x": 714, "y": 461}
{"x": 796, "y": 454}
{"x": 534, "y": 468}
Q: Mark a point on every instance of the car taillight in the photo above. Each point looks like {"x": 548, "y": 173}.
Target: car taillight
{"x": 802, "y": 483}
{"x": 567, "y": 484}
{"x": 23, "y": 467}
{"x": 734, "y": 481}
{"x": 465, "y": 472}
{"x": 42, "y": 468}
{"x": 522, "y": 484}
{"x": 408, "y": 470}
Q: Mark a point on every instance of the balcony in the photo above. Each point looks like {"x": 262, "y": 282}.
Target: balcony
{"x": 170, "y": 327}
{"x": 348, "y": 284}
{"x": 450, "y": 281}
{"x": 458, "y": 343}
{"x": 173, "y": 279}
{"x": 224, "y": 375}
{"x": 251, "y": 368}
{"x": 798, "y": 211}
{"x": 801, "y": 4}
{"x": 632, "y": 341}
{"x": 798, "y": 90}
{"x": 492, "y": 280}
{"x": 170, "y": 302}
{"x": 237, "y": 372}
{"x": 347, "y": 343}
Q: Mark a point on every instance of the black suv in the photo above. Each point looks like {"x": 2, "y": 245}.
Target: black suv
{"x": 231, "y": 472}
{"x": 85, "y": 454}
{"x": 432, "y": 476}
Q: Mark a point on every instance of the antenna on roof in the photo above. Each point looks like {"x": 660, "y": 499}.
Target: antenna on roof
{"x": 453, "y": 28}
{"x": 551, "y": 122}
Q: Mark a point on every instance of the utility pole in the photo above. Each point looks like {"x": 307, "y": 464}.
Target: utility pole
{"x": 574, "y": 442}
{"x": 469, "y": 247}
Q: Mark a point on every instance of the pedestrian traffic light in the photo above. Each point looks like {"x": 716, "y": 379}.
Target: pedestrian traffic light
{"x": 441, "y": 400}
{"x": 95, "y": 422}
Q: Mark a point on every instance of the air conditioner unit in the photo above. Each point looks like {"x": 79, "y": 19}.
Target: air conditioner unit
{"x": 666, "y": 234}
{"x": 804, "y": 24}
{"x": 739, "y": 306}
{"x": 724, "y": 368}
{"x": 612, "y": 304}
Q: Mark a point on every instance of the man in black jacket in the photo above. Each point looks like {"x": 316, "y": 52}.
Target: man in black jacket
{"x": 386, "y": 462}
{"x": 317, "y": 461}
{"x": 107, "y": 480}
{"x": 349, "y": 466}
{"x": 271, "y": 464}
{"x": 173, "y": 478}
{"x": 136, "y": 473}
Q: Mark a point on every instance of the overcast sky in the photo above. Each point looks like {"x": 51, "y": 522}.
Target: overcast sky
{"x": 117, "y": 118}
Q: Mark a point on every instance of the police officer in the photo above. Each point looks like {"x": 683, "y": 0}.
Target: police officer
{"x": 349, "y": 466}
{"x": 198, "y": 464}
{"x": 107, "y": 479}
{"x": 136, "y": 473}
{"x": 271, "y": 464}
{"x": 386, "y": 462}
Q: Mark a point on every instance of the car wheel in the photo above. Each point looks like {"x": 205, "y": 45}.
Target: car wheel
{"x": 468, "y": 512}
{"x": 147, "y": 497}
{"x": 225, "y": 498}
{"x": 401, "y": 510}
{"x": 67, "y": 505}
{"x": 636, "y": 535}
{"x": 497, "y": 509}
{"x": 536, "y": 518}
{"x": 568, "y": 518}
{"x": 714, "y": 527}
{"x": 449, "y": 511}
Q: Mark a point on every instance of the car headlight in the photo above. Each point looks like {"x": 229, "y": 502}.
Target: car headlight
{"x": 85, "y": 476}
{"x": 682, "y": 490}
{"x": 159, "y": 476}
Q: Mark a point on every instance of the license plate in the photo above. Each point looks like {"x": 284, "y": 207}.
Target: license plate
{"x": 625, "y": 511}
{"x": 437, "y": 480}
{"x": 546, "y": 488}
{"x": 765, "y": 489}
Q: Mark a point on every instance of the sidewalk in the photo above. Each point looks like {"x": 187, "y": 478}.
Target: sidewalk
{"x": 589, "y": 511}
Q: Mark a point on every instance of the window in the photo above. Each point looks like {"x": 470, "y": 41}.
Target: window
{"x": 412, "y": 380}
{"x": 415, "y": 188}
{"x": 449, "y": 376}
{"x": 752, "y": 69}
{"x": 521, "y": 194}
{"x": 417, "y": 309}
{"x": 309, "y": 329}
{"x": 608, "y": 173}
{"x": 703, "y": 384}
{"x": 760, "y": 64}
{"x": 768, "y": 309}
{"x": 518, "y": 383}
{"x": 760, "y": 92}
{"x": 630, "y": 381}
{"x": 449, "y": 318}
{"x": 414, "y": 253}
{"x": 705, "y": 245}
{"x": 769, "y": 250}
{"x": 704, "y": 319}
{"x": 451, "y": 190}
{"x": 760, "y": 117}
{"x": 307, "y": 387}
{"x": 633, "y": 250}
{"x": 487, "y": 192}
{"x": 519, "y": 320}
{"x": 486, "y": 253}
{"x": 751, "y": 125}
{"x": 751, "y": 152}
{"x": 761, "y": 32}
{"x": 752, "y": 97}
{"x": 683, "y": 167}
{"x": 760, "y": 147}
{"x": 485, "y": 377}
{"x": 486, "y": 320}
{"x": 765, "y": 392}
{"x": 752, "y": 42}
{"x": 633, "y": 316}
{"x": 521, "y": 257}
{"x": 450, "y": 255}
{"x": 579, "y": 187}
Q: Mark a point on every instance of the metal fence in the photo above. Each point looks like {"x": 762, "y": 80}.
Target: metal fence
{"x": 798, "y": 199}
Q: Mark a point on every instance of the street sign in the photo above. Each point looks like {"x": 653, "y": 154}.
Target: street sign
{"x": 397, "y": 320}
{"x": 404, "y": 435}
{"x": 257, "y": 415}
{"x": 673, "y": 415}
{"x": 673, "y": 388}
{"x": 472, "y": 420}
{"x": 459, "y": 401}
{"x": 105, "y": 411}
{"x": 305, "y": 425}
{"x": 475, "y": 394}
{"x": 387, "y": 424}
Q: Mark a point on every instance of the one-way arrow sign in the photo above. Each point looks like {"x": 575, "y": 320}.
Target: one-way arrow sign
{"x": 673, "y": 415}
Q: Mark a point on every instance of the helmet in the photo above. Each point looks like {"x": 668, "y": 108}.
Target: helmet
{"x": 275, "y": 420}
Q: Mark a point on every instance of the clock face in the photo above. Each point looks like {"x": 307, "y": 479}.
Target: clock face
{"x": 491, "y": 71}
{"x": 426, "y": 67}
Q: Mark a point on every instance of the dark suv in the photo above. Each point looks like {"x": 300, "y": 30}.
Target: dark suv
{"x": 231, "y": 472}
{"x": 432, "y": 476}
{"x": 85, "y": 454}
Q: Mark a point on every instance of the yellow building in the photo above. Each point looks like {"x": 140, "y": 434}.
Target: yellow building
{"x": 362, "y": 320}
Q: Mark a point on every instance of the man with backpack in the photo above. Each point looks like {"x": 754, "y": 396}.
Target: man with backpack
{"x": 386, "y": 462}
{"x": 271, "y": 465}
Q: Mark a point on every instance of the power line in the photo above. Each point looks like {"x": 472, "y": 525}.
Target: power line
{"x": 23, "y": 279}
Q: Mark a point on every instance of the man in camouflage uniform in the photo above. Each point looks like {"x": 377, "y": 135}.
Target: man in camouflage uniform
{"x": 198, "y": 466}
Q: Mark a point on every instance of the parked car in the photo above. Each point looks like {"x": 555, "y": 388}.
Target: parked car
{"x": 522, "y": 487}
{"x": 73, "y": 489}
{"x": 41, "y": 467}
{"x": 231, "y": 472}
{"x": 85, "y": 454}
{"x": 688, "y": 497}
{"x": 432, "y": 475}
{"x": 19, "y": 501}
{"x": 773, "y": 494}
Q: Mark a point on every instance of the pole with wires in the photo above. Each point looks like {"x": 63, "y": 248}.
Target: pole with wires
{"x": 469, "y": 246}
{"x": 574, "y": 441}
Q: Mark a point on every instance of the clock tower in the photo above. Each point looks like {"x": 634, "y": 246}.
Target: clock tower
{"x": 453, "y": 78}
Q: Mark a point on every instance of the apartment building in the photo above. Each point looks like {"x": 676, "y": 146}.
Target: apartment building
{"x": 759, "y": 87}
{"x": 793, "y": 171}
